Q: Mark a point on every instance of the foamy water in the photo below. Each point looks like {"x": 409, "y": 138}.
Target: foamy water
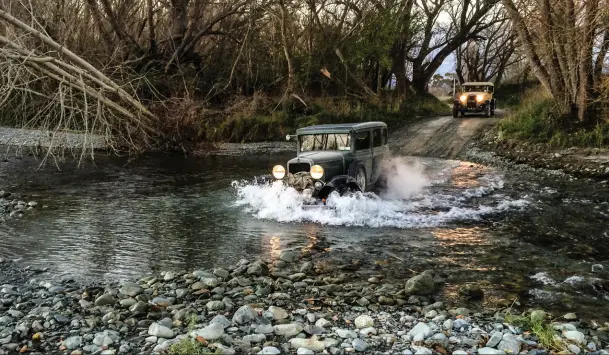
{"x": 411, "y": 200}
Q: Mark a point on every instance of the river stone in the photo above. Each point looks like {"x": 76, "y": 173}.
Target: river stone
{"x": 244, "y": 314}
{"x": 104, "y": 300}
{"x": 73, "y": 342}
{"x": 510, "y": 344}
{"x": 289, "y": 256}
{"x": 210, "y": 282}
{"x": 574, "y": 349}
{"x": 161, "y": 301}
{"x": 420, "y": 329}
{"x": 422, "y": 284}
{"x": 323, "y": 323}
{"x": 304, "y": 351}
{"x": 160, "y": 331}
{"x": 254, "y": 338}
{"x": 570, "y": 316}
{"x": 311, "y": 344}
{"x": 211, "y": 332}
{"x": 127, "y": 302}
{"x": 289, "y": 330}
{"x": 258, "y": 268}
{"x": 359, "y": 345}
{"x": 306, "y": 267}
{"x": 269, "y": 350}
{"x": 495, "y": 339}
{"x": 265, "y": 329}
{"x": 215, "y": 305}
{"x": 222, "y": 320}
{"x": 169, "y": 276}
{"x": 364, "y": 321}
{"x": 490, "y": 351}
{"x": 219, "y": 272}
{"x": 131, "y": 289}
{"x": 197, "y": 286}
{"x": 278, "y": 313}
{"x": 139, "y": 307}
{"x": 4, "y": 320}
{"x": 421, "y": 350}
{"x": 102, "y": 339}
{"x": 448, "y": 324}
{"x": 575, "y": 336}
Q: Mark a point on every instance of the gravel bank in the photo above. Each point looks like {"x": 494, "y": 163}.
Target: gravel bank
{"x": 29, "y": 138}
{"x": 13, "y": 206}
{"x": 255, "y": 307}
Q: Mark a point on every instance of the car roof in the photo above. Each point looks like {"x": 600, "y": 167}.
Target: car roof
{"x": 479, "y": 83}
{"x": 340, "y": 128}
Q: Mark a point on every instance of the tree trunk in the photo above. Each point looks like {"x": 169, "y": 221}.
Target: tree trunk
{"x": 287, "y": 51}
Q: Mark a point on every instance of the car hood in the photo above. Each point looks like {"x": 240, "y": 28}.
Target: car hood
{"x": 320, "y": 156}
{"x": 474, "y": 93}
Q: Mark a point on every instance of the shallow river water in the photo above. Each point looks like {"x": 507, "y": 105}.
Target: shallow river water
{"x": 517, "y": 235}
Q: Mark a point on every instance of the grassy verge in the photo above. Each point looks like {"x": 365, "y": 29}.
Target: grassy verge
{"x": 536, "y": 119}
{"x": 542, "y": 329}
{"x": 260, "y": 118}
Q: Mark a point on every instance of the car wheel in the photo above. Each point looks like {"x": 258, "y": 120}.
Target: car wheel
{"x": 487, "y": 111}
{"x": 455, "y": 113}
{"x": 358, "y": 172}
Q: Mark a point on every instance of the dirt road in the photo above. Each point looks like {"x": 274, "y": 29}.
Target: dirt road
{"x": 441, "y": 137}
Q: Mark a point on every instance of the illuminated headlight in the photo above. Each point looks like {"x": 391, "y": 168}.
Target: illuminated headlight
{"x": 318, "y": 185}
{"x": 479, "y": 98}
{"x": 463, "y": 98}
{"x": 317, "y": 172}
{"x": 278, "y": 172}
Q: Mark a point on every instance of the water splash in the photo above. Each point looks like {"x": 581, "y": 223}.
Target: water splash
{"x": 422, "y": 203}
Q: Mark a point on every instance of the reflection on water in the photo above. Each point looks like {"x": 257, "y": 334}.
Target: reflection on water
{"x": 115, "y": 221}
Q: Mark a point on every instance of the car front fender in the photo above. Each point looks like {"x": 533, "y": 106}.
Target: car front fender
{"x": 337, "y": 183}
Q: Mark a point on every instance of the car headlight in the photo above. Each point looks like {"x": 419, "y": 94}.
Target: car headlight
{"x": 479, "y": 98}
{"x": 318, "y": 185}
{"x": 463, "y": 98}
{"x": 317, "y": 172}
{"x": 278, "y": 172}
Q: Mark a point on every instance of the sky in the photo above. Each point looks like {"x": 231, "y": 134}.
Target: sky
{"x": 448, "y": 66}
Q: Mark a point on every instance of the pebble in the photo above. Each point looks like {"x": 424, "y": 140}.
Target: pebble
{"x": 278, "y": 313}
{"x": 269, "y": 350}
{"x": 289, "y": 330}
{"x": 160, "y": 331}
{"x": 490, "y": 351}
{"x": 364, "y": 321}
{"x": 311, "y": 344}
{"x": 359, "y": 345}
{"x": 575, "y": 336}
{"x": 211, "y": 332}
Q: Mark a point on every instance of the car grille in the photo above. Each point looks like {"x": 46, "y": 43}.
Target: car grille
{"x": 298, "y": 167}
{"x": 471, "y": 101}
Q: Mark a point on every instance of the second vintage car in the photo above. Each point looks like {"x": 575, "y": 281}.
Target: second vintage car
{"x": 335, "y": 157}
{"x": 475, "y": 97}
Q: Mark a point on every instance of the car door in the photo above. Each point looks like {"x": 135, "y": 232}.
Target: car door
{"x": 363, "y": 150}
{"x": 378, "y": 154}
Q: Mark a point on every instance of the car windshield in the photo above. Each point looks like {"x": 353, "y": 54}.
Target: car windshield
{"x": 329, "y": 141}
{"x": 480, "y": 88}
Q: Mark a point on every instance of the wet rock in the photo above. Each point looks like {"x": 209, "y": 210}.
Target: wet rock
{"x": 105, "y": 300}
{"x": 289, "y": 330}
{"x": 269, "y": 350}
{"x": 510, "y": 344}
{"x": 422, "y": 284}
{"x": 490, "y": 351}
{"x": 258, "y": 268}
{"x": 289, "y": 256}
{"x": 221, "y": 273}
{"x": 160, "y": 331}
{"x": 363, "y": 321}
{"x": 421, "y": 330}
{"x": 131, "y": 289}
{"x": 278, "y": 313}
{"x": 169, "y": 276}
{"x": 215, "y": 305}
{"x": 211, "y": 332}
{"x": 243, "y": 315}
{"x": 73, "y": 342}
{"x": 311, "y": 344}
{"x": 494, "y": 340}
{"x": 359, "y": 345}
{"x": 138, "y": 308}
{"x": 597, "y": 268}
{"x": 575, "y": 336}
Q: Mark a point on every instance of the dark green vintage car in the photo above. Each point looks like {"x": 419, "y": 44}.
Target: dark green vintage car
{"x": 336, "y": 157}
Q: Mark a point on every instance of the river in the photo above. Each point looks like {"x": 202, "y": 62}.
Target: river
{"x": 515, "y": 234}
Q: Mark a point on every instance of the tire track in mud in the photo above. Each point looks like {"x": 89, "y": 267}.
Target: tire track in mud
{"x": 441, "y": 137}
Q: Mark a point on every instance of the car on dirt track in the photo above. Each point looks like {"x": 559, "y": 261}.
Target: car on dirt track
{"x": 475, "y": 97}
{"x": 335, "y": 157}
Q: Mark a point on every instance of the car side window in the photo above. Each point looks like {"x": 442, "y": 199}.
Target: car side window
{"x": 376, "y": 138}
{"x": 384, "y": 136}
{"x": 362, "y": 140}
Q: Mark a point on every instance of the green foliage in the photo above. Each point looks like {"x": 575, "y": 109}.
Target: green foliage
{"x": 537, "y": 119}
{"x": 189, "y": 346}
{"x": 266, "y": 121}
{"x": 542, "y": 329}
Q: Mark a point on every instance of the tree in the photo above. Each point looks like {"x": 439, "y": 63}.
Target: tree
{"x": 558, "y": 38}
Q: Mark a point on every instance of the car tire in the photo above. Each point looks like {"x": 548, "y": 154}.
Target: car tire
{"x": 358, "y": 172}
{"x": 455, "y": 113}
{"x": 487, "y": 111}
{"x": 493, "y": 108}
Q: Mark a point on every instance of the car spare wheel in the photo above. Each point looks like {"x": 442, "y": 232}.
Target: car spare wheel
{"x": 358, "y": 172}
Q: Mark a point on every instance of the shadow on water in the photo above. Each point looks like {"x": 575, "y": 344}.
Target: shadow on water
{"x": 118, "y": 220}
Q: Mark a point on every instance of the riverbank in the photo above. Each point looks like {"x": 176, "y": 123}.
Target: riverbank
{"x": 579, "y": 162}
{"x": 254, "y": 307}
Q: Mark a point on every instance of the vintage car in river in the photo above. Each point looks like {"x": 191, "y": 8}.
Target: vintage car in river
{"x": 335, "y": 157}
{"x": 475, "y": 97}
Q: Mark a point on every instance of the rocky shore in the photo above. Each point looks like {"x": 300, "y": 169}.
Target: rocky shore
{"x": 13, "y": 206}
{"x": 590, "y": 163}
{"x": 282, "y": 307}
